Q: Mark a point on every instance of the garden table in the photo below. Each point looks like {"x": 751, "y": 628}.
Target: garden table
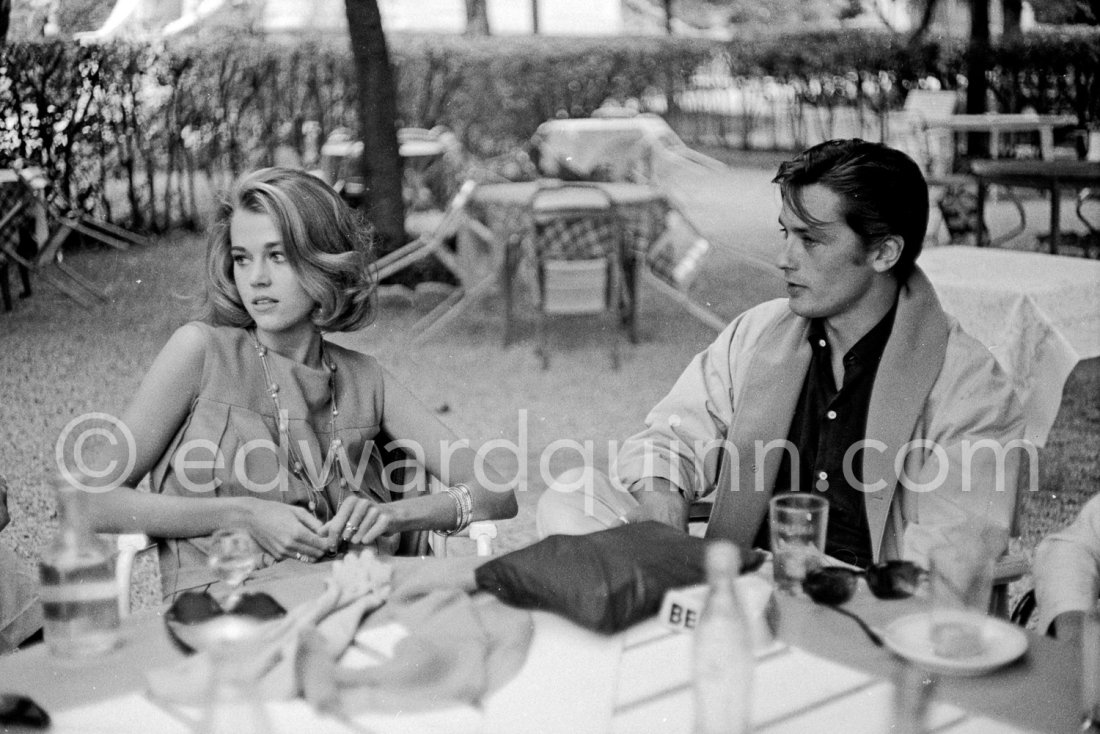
{"x": 610, "y": 148}
{"x": 1052, "y": 176}
{"x": 996, "y": 124}
{"x": 1039, "y": 314}
{"x": 823, "y": 675}
{"x": 500, "y": 214}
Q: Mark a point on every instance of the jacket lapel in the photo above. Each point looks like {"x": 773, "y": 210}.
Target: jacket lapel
{"x": 763, "y": 412}
{"x": 909, "y": 367}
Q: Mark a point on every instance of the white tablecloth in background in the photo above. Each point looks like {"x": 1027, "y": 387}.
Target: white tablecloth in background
{"x": 624, "y": 145}
{"x": 1039, "y": 314}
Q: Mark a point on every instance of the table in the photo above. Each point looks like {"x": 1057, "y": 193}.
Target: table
{"x": 500, "y": 214}
{"x": 996, "y": 124}
{"x": 611, "y": 148}
{"x": 1039, "y": 314}
{"x": 825, "y": 676}
{"x": 1053, "y": 176}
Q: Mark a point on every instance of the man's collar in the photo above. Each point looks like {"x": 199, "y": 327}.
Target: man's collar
{"x": 870, "y": 346}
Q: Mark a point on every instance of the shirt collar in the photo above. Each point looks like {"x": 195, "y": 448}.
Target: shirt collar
{"x": 869, "y": 348}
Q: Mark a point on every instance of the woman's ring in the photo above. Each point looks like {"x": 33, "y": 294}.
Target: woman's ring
{"x": 350, "y": 528}
{"x": 298, "y": 556}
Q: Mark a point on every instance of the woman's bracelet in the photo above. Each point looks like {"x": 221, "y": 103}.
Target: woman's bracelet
{"x": 464, "y": 508}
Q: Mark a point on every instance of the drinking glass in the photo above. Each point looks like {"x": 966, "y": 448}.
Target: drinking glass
{"x": 797, "y": 522}
{"x": 233, "y": 558}
{"x": 962, "y": 581}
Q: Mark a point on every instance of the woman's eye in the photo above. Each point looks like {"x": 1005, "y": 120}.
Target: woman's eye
{"x": 239, "y": 260}
{"x": 278, "y": 257}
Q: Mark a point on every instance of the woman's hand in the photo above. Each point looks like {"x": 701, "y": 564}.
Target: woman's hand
{"x": 359, "y": 521}
{"x": 285, "y": 531}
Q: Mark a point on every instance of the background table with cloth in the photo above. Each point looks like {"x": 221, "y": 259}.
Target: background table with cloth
{"x": 825, "y": 675}
{"x": 611, "y": 148}
{"x": 1038, "y": 314}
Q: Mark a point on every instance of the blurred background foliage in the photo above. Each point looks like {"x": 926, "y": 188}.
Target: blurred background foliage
{"x": 134, "y": 131}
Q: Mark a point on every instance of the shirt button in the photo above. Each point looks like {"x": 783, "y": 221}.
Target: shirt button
{"x": 831, "y": 415}
{"x": 821, "y": 343}
{"x": 822, "y": 475}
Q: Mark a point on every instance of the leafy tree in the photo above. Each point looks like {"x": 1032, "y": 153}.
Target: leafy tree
{"x": 377, "y": 103}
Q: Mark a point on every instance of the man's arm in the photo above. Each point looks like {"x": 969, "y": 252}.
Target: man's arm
{"x": 675, "y": 458}
{"x": 1067, "y": 572}
{"x": 658, "y": 500}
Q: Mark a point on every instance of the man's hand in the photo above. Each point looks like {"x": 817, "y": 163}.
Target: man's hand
{"x": 1069, "y": 627}
{"x": 658, "y": 500}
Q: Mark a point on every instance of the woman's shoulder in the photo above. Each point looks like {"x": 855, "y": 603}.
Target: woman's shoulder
{"x": 352, "y": 358}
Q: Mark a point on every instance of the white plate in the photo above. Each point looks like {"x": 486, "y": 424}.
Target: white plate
{"x": 911, "y": 638}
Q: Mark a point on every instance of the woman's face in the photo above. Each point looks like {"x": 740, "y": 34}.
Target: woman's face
{"x": 269, "y": 287}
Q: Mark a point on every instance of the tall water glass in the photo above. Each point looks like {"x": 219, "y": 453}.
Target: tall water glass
{"x": 232, "y": 558}
{"x": 797, "y": 522}
{"x": 962, "y": 581}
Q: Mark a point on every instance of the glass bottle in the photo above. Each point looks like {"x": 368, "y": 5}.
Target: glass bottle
{"x": 78, "y": 589}
{"x": 723, "y": 654}
{"x": 233, "y": 702}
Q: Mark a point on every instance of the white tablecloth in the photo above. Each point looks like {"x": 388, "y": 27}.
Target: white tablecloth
{"x": 624, "y": 147}
{"x": 1038, "y": 314}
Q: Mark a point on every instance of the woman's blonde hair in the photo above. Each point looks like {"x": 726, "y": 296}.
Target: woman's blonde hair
{"x": 327, "y": 243}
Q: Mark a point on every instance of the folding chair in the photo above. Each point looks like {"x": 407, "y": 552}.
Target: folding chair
{"x": 50, "y": 254}
{"x": 578, "y": 239}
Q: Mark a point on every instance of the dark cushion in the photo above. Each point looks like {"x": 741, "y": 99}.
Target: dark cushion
{"x": 604, "y": 581}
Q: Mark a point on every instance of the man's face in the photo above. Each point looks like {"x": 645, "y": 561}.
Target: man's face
{"x": 827, "y": 268}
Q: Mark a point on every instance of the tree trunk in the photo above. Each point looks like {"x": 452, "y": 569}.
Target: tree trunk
{"x": 668, "y": 17}
{"x": 977, "y": 65}
{"x": 477, "y": 18}
{"x": 377, "y": 102}
{"x": 1013, "y": 11}
{"x": 535, "y": 17}
{"x": 5, "y": 20}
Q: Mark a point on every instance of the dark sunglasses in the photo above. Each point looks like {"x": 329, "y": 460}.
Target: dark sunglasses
{"x": 192, "y": 610}
{"x": 835, "y": 585}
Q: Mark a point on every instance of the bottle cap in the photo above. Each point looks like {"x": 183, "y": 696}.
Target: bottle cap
{"x": 723, "y": 557}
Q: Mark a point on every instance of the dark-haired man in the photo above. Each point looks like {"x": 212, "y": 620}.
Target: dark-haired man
{"x": 900, "y": 419}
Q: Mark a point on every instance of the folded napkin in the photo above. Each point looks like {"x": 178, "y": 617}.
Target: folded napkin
{"x": 453, "y": 648}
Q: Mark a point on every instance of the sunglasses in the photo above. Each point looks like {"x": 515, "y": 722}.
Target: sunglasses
{"x": 834, "y": 585}
{"x": 189, "y": 620}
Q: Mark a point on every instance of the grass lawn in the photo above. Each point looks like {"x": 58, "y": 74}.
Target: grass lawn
{"x": 58, "y": 361}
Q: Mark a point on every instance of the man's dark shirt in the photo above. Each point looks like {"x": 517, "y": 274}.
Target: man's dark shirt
{"x": 826, "y": 423}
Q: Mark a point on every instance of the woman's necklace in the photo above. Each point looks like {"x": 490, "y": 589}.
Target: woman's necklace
{"x": 287, "y": 453}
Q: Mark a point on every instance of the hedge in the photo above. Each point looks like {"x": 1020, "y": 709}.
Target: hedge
{"x": 130, "y": 131}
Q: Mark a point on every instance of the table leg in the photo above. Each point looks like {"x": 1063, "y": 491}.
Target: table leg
{"x": 982, "y": 235}
{"x": 5, "y": 286}
{"x": 1055, "y": 217}
{"x": 508, "y": 275}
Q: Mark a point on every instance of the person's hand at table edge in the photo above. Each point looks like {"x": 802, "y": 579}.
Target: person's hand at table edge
{"x": 658, "y": 500}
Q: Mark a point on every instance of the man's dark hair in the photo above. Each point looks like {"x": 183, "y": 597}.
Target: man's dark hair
{"x": 883, "y": 192}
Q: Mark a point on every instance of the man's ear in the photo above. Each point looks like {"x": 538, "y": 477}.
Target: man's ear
{"x": 887, "y": 253}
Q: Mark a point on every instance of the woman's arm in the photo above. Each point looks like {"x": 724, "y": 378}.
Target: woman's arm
{"x": 154, "y": 415}
{"x": 452, "y": 461}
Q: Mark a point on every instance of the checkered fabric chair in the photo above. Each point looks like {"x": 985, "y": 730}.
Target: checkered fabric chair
{"x": 577, "y": 237}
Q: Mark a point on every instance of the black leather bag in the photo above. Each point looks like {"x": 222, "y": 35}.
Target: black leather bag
{"x": 603, "y": 581}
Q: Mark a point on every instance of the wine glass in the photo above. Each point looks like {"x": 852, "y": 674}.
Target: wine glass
{"x": 233, "y": 558}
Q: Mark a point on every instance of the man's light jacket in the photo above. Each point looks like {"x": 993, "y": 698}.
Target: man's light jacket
{"x": 943, "y": 438}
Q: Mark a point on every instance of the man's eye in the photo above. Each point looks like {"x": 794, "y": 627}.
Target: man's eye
{"x": 783, "y": 232}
